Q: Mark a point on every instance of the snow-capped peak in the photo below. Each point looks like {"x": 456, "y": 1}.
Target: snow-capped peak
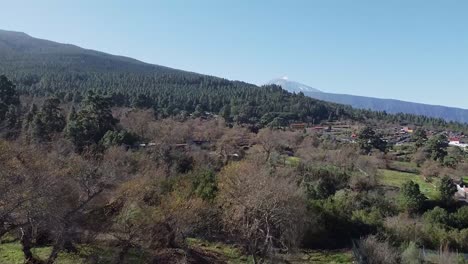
{"x": 292, "y": 86}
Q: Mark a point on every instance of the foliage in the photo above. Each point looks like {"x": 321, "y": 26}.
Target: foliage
{"x": 92, "y": 122}
{"x": 459, "y": 219}
{"x": 419, "y": 137}
{"x": 10, "y": 114}
{"x": 411, "y": 198}
{"x": 446, "y": 190}
{"x": 368, "y": 139}
{"x": 323, "y": 182}
{"x": 437, "y": 216}
{"x": 412, "y": 254}
{"x": 116, "y": 138}
{"x": 48, "y": 121}
{"x": 205, "y": 184}
{"x": 437, "y": 147}
{"x": 8, "y": 96}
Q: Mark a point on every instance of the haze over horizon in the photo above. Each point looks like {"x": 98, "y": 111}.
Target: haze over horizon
{"x": 355, "y": 48}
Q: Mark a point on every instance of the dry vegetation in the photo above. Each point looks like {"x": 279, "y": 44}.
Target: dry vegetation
{"x": 268, "y": 193}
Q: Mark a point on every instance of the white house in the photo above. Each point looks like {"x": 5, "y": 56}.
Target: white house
{"x": 462, "y": 191}
{"x": 456, "y": 142}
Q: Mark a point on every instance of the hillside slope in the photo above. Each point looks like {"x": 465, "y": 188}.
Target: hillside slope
{"x": 391, "y": 106}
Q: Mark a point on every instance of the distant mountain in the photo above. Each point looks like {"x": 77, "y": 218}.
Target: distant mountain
{"x": 390, "y": 106}
{"x": 293, "y": 86}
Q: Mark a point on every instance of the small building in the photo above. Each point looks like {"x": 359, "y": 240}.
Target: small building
{"x": 407, "y": 130}
{"x": 298, "y": 126}
{"x": 456, "y": 142}
{"x": 462, "y": 191}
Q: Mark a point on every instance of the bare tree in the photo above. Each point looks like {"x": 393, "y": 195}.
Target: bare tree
{"x": 232, "y": 143}
{"x": 264, "y": 211}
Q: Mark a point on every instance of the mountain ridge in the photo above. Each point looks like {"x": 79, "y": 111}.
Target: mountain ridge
{"x": 392, "y": 106}
{"x": 14, "y": 45}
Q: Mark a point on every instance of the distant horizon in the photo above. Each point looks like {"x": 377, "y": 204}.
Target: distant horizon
{"x": 412, "y": 52}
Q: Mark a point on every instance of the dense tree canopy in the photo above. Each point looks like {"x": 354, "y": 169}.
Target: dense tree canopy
{"x": 92, "y": 122}
{"x": 368, "y": 139}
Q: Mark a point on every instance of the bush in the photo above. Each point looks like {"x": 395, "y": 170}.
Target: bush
{"x": 437, "y": 216}
{"x": 324, "y": 181}
{"x": 411, "y": 199}
{"x": 412, "y": 255}
{"x": 460, "y": 218}
{"x": 446, "y": 190}
{"x": 377, "y": 251}
{"x": 205, "y": 184}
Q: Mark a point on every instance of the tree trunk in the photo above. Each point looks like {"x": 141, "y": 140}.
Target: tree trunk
{"x": 123, "y": 253}
{"x": 58, "y": 246}
{"x": 54, "y": 254}
{"x": 27, "y": 245}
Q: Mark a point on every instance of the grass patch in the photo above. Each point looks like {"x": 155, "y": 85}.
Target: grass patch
{"x": 404, "y": 166}
{"x": 11, "y": 253}
{"x": 293, "y": 161}
{"x": 231, "y": 253}
{"x": 333, "y": 257}
{"x": 313, "y": 256}
{"x": 234, "y": 255}
{"x": 397, "y": 179}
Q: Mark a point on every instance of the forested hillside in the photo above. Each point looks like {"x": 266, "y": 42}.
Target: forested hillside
{"x": 45, "y": 68}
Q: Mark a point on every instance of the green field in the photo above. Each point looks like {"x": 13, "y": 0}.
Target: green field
{"x": 403, "y": 166}
{"x": 396, "y": 179}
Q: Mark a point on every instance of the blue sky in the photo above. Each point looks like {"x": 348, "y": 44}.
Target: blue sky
{"x": 414, "y": 50}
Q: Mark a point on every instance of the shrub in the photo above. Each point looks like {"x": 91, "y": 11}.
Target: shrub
{"x": 460, "y": 218}
{"x": 411, "y": 199}
{"x": 412, "y": 255}
{"x": 205, "y": 184}
{"x": 377, "y": 251}
{"x": 437, "y": 216}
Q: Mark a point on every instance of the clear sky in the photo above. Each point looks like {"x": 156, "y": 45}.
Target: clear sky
{"x": 415, "y": 50}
